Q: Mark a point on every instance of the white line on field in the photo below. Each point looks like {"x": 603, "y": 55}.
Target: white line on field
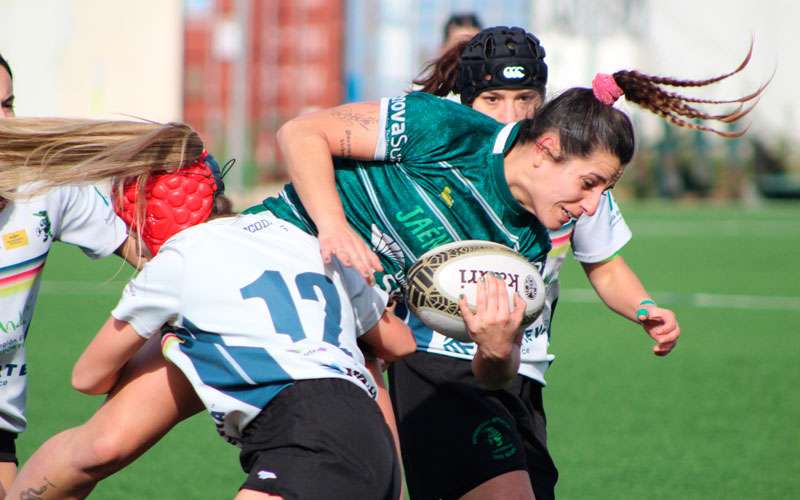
{"x": 702, "y": 300}
{"x": 580, "y": 295}
{"x": 720, "y": 228}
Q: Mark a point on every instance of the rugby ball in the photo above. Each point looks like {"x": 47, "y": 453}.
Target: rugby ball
{"x": 443, "y": 274}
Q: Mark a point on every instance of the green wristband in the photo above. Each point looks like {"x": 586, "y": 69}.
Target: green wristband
{"x": 642, "y": 311}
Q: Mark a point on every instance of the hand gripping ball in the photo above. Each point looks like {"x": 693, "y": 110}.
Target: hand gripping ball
{"x": 173, "y": 200}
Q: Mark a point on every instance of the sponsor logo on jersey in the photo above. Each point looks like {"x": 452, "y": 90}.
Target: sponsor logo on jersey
{"x": 258, "y": 225}
{"x": 513, "y": 72}
{"x": 10, "y": 326}
{"x": 446, "y": 197}
{"x": 397, "y": 127}
{"x": 428, "y": 232}
{"x": 15, "y": 239}
{"x": 45, "y": 228}
{"x": 453, "y": 345}
{"x": 12, "y": 369}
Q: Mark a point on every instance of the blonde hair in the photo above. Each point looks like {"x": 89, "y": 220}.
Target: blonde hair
{"x": 50, "y": 152}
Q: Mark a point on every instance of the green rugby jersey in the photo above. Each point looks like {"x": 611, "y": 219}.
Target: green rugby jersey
{"x": 437, "y": 177}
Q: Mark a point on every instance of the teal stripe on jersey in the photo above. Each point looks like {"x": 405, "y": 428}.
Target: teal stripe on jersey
{"x": 376, "y": 204}
{"x": 13, "y": 268}
{"x": 306, "y": 223}
{"x": 254, "y": 377}
{"x": 486, "y": 207}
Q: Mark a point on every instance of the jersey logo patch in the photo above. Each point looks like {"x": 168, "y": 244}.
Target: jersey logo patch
{"x": 446, "y": 197}
{"x": 45, "y": 229}
{"x": 16, "y": 239}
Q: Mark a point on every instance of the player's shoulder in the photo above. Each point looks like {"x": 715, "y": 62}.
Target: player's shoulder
{"x": 607, "y": 212}
{"x": 432, "y": 104}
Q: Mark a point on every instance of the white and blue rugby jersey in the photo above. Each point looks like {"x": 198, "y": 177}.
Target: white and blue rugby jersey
{"x": 592, "y": 239}
{"x": 79, "y": 215}
{"x": 252, "y": 308}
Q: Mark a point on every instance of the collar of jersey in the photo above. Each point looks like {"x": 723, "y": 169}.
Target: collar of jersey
{"x": 510, "y": 132}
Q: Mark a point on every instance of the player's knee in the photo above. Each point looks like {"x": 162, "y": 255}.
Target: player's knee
{"x": 103, "y": 455}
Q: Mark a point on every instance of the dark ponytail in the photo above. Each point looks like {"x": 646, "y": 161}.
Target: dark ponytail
{"x": 440, "y": 75}
{"x": 647, "y": 92}
{"x": 583, "y": 124}
{"x": 585, "y": 119}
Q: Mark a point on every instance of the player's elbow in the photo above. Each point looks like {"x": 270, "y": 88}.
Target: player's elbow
{"x": 291, "y": 131}
{"x": 85, "y": 381}
{"x": 403, "y": 345}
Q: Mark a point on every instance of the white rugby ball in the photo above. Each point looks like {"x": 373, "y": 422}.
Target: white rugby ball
{"x": 443, "y": 274}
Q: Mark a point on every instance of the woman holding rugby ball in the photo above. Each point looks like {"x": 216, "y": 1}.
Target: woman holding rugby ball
{"x": 501, "y": 72}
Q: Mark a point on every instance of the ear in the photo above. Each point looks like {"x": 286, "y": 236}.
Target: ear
{"x": 550, "y": 141}
{"x": 549, "y": 144}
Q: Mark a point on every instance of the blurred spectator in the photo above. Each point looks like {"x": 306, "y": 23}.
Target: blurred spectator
{"x": 460, "y": 27}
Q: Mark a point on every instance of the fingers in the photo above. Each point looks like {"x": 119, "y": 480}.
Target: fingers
{"x": 470, "y": 319}
{"x": 519, "y": 309}
{"x": 664, "y": 349}
{"x": 662, "y": 326}
{"x": 492, "y": 299}
{"x": 351, "y": 250}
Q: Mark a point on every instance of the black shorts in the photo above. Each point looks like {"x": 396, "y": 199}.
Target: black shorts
{"x": 321, "y": 439}
{"x": 8, "y": 447}
{"x": 455, "y": 435}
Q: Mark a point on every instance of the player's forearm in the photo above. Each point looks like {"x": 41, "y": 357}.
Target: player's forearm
{"x": 310, "y": 167}
{"x": 617, "y": 285}
{"x": 98, "y": 368}
{"x": 496, "y": 368}
{"x": 390, "y": 339}
{"x": 134, "y": 254}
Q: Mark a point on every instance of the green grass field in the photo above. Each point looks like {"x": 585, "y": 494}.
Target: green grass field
{"x": 719, "y": 418}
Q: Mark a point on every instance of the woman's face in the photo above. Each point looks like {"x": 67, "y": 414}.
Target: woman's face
{"x": 6, "y": 94}
{"x": 506, "y": 105}
{"x": 558, "y": 191}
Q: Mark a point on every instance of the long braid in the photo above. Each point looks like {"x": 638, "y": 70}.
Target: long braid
{"x": 647, "y": 91}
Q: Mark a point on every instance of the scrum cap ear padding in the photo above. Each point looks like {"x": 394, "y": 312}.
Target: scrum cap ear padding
{"x": 173, "y": 200}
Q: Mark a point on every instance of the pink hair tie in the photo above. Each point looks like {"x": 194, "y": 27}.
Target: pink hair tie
{"x": 605, "y": 89}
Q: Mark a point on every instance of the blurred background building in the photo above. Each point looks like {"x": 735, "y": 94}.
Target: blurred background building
{"x": 237, "y": 69}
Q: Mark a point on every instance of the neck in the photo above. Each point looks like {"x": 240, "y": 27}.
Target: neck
{"x": 517, "y": 167}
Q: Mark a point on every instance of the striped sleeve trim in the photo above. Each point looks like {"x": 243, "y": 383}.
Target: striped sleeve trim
{"x": 380, "y": 147}
{"x": 502, "y": 137}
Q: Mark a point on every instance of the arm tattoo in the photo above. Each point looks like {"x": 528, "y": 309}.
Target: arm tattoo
{"x": 346, "y": 144}
{"x": 34, "y": 494}
{"x": 362, "y": 120}
{"x": 348, "y": 136}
